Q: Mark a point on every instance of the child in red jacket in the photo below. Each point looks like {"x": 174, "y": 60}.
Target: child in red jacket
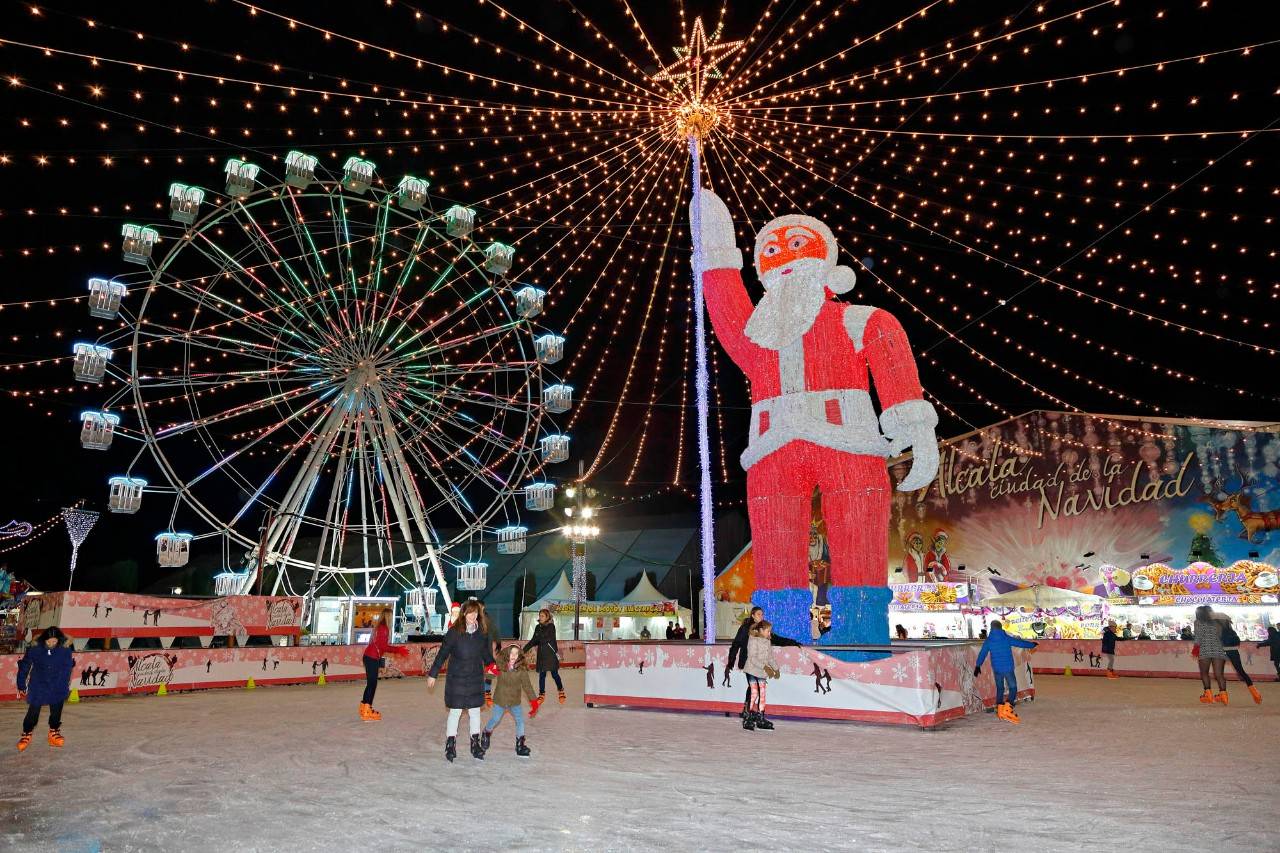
{"x": 379, "y": 645}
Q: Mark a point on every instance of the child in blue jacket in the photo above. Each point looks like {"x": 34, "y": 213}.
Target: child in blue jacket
{"x": 44, "y": 677}
{"x": 1000, "y": 646}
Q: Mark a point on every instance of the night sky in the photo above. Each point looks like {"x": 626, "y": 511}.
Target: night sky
{"x": 1069, "y": 205}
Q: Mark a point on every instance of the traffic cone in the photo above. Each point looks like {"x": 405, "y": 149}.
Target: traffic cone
{"x": 1066, "y": 671}
{"x": 74, "y": 698}
{"x": 320, "y": 681}
{"x": 163, "y": 691}
{"x": 249, "y": 685}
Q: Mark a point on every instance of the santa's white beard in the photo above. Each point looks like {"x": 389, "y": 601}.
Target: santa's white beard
{"x": 789, "y": 306}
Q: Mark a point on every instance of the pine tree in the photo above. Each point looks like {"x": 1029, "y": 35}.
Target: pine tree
{"x": 1202, "y": 550}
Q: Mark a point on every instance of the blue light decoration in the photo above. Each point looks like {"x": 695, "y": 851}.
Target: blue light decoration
{"x": 701, "y": 382}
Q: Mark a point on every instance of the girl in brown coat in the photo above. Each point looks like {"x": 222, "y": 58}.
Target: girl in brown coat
{"x": 512, "y": 680}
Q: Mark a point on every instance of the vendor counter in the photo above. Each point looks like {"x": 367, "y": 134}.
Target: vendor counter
{"x": 1142, "y": 658}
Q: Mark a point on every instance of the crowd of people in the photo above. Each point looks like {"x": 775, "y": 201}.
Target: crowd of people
{"x": 483, "y": 674}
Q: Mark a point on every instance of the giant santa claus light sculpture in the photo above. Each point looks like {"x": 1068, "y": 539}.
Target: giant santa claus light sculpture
{"x": 813, "y": 423}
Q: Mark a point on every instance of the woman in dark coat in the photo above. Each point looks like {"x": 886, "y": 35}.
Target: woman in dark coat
{"x": 44, "y": 676}
{"x": 544, "y": 640}
{"x": 1273, "y": 642}
{"x": 466, "y": 647}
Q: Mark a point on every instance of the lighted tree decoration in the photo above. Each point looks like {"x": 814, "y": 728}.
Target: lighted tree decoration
{"x": 79, "y": 522}
{"x": 696, "y": 116}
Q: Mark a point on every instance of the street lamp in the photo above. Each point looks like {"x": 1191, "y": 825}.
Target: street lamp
{"x": 579, "y": 531}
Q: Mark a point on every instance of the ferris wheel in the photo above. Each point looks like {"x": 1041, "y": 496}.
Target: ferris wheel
{"x": 332, "y": 377}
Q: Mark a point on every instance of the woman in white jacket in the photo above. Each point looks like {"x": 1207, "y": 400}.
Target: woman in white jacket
{"x": 759, "y": 656}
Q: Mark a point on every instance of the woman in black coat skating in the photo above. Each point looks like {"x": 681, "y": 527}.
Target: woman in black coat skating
{"x": 544, "y": 640}
{"x": 1273, "y": 642}
{"x": 466, "y": 647}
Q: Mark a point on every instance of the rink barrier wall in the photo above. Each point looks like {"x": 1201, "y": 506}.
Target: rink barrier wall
{"x": 139, "y": 671}
{"x": 1143, "y": 659}
{"x": 103, "y": 615}
{"x": 923, "y": 685}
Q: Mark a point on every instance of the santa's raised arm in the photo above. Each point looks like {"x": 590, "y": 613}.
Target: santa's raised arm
{"x": 811, "y": 361}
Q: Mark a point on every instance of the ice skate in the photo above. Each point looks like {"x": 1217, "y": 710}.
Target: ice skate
{"x": 1207, "y": 697}
{"x": 562, "y": 697}
{"x": 484, "y": 739}
{"x": 1257, "y": 697}
{"x": 477, "y": 751}
{"x": 56, "y": 738}
{"x": 1005, "y": 712}
{"x": 24, "y": 741}
{"x": 450, "y": 748}
{"x": 749, "y": 721}
{"x": 1111, "y": 673}
{"x": 522, "y": 750}
{"x": 762, "y": 723}
{"x": 367, "y": 713}
{"x": 1221, "y": 697}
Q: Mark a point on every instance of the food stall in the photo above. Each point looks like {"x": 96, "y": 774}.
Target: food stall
{"x": 345, "y": 619}
{"x": 932, "y": 610}
{"x": 1160, "y": 600}
{"x": 1040, "y": 612}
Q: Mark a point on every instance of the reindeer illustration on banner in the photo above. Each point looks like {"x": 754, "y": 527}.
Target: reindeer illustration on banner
{"x": 1256, "y": 525}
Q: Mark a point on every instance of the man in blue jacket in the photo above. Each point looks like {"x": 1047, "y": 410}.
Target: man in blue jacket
{"x": 1000, "y": 646}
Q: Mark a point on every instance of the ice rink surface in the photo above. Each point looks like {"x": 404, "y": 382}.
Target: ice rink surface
{"x": 1128, "y": 765}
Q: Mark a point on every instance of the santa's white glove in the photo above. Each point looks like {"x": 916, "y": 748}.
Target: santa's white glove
{"x": 910, "y": 425}
{"x": 719, "y": 251}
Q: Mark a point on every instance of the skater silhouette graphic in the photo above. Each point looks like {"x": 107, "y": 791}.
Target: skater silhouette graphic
{"x": 711, "y": 676}
{"x": 102, "y": 677}
{"x": 642, "y": 666}
{"x": 314, "y": 664}
{"x": 146, "y": 614}
{"x": 95, "y": 610}
{"x": 208, "y": 666}
{"x": 1077, "y": 656}
{"x": 727, "y": 681}
{"x": 324, "y": 666}
{"x": 826, "y": 676}
{"x": 264, "y": 664}
{"x": 155, "y": 618}
{"x": 817, "y": 678}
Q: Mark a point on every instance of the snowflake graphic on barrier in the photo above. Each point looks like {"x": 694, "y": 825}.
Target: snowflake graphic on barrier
{"x": 899, "y": 672}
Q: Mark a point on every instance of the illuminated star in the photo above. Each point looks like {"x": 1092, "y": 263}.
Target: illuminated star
{"x": 698, "y": 61}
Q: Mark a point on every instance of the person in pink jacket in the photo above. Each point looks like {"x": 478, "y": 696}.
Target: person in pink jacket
{"x": 374, "y": 654}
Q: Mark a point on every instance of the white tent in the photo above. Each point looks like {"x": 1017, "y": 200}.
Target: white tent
{"x": 1040, "y": 597}
{"x": 624, "y": 619}
{"x": 644, "y": 591}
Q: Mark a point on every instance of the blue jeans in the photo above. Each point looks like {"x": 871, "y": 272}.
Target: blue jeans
{"x": 1010, "y": 679}
{"x": 516, "y": 712}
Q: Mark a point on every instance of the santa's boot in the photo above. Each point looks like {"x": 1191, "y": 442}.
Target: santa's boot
{"x": 788, "y": 610}
{"x": 477, "y": 751}
{"x": 1221, "y": 697}
{"x": 1207, "y": 696}
{"x": 522, "y": 750}
{"x": 24, "y": 741}
{"x": 450, "y": 748}
{"x": 1257, "y": 697}
{"x": 56, "y": 738}
{"x": 859, "y": 615}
